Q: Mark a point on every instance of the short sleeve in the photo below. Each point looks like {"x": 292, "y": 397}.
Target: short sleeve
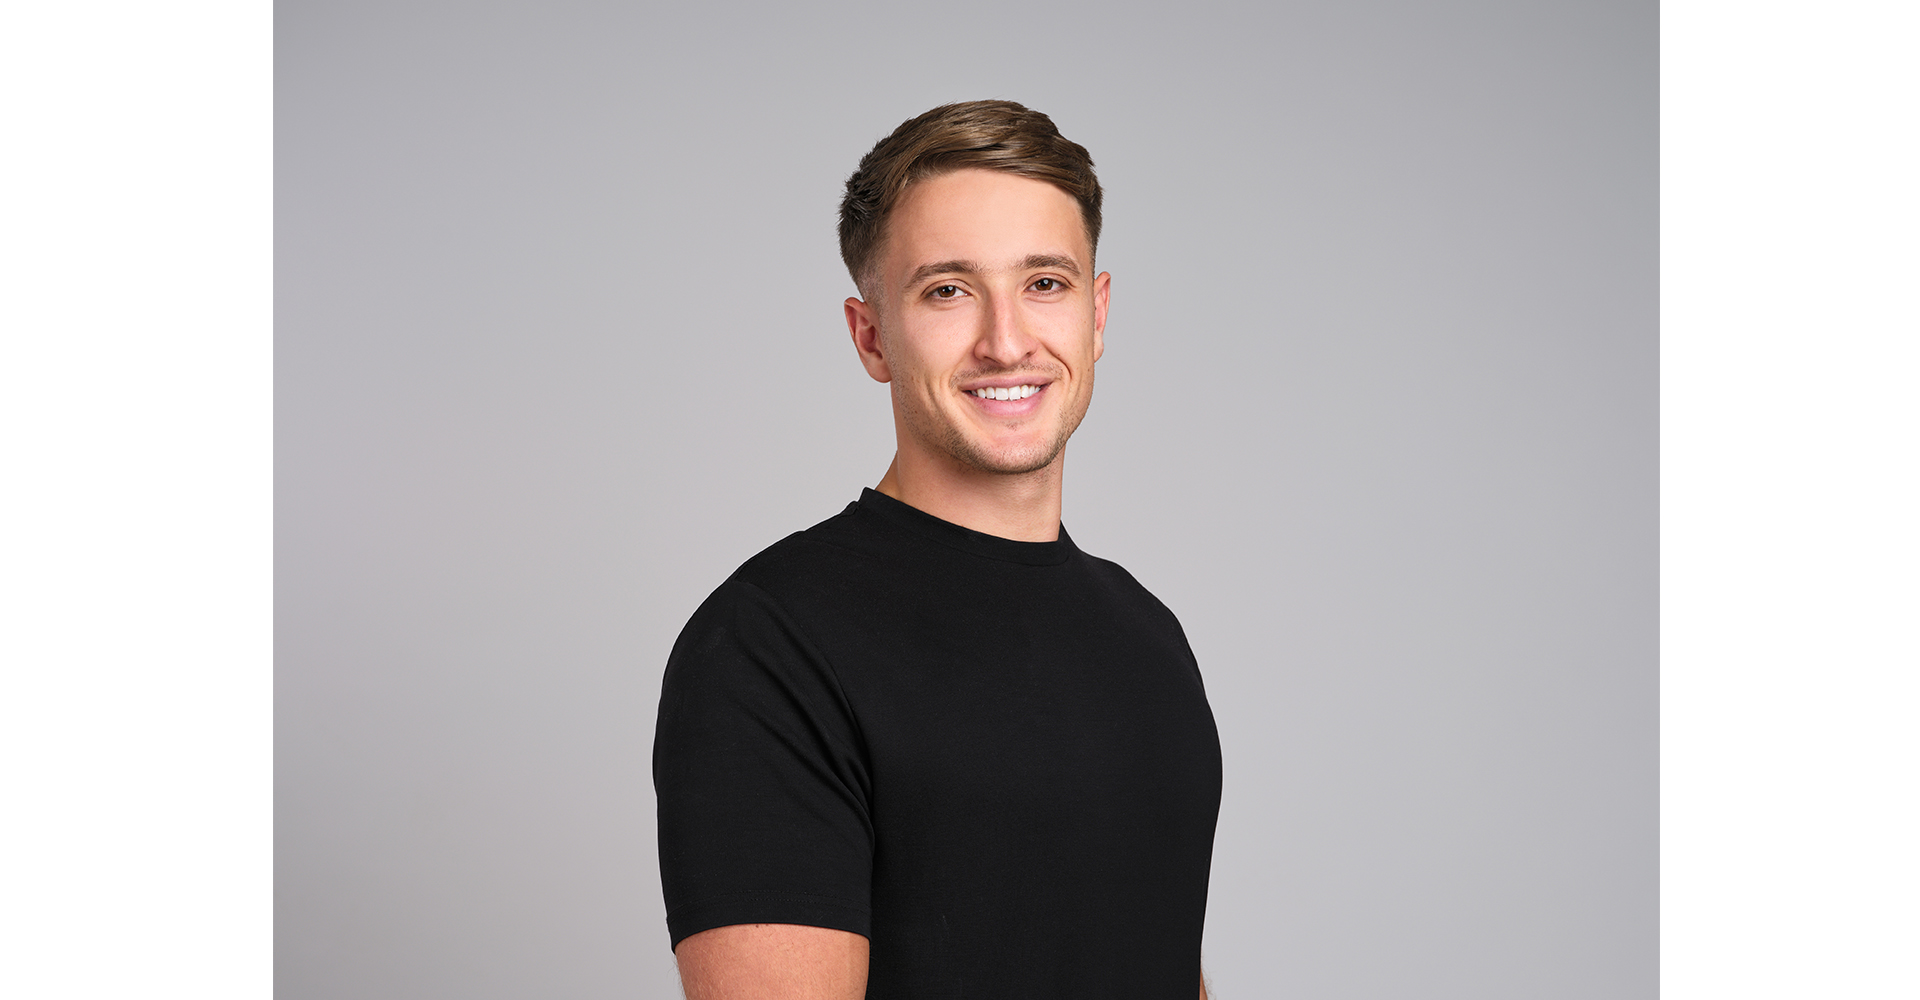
{"x": 762, "y": 788}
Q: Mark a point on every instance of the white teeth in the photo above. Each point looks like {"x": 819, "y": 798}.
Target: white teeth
{"x": 1013, "y": 392}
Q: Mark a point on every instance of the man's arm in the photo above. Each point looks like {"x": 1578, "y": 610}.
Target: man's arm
{"x": 766, "y": 961}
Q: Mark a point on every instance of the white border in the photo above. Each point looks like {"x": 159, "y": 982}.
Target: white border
{"x": 1790, "y": 489}
{"x": 136, "y": 435}
{"x": 135, "y": 411}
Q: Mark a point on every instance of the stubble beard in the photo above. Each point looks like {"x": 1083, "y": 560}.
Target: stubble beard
{"x": 951, "y": 438}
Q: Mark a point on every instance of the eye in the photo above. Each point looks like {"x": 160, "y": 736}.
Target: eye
{"x": 946, "y": 291}
{"x": 1046, "y": 285}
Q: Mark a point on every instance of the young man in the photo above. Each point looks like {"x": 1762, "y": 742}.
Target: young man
{"x": 928, "y": 748}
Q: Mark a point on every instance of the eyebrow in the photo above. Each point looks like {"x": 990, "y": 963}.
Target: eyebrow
{"x": 1032, "y": 262}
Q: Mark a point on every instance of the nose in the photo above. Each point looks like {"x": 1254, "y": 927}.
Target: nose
{"x": 1004, "y": 337}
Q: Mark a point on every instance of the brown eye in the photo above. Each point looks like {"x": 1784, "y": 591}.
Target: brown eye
{"x": 946, "y": 291}
{"x": 1045, "y": 285}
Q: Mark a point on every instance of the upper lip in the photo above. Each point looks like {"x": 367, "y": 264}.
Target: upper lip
{"x": 1005, "y": 382}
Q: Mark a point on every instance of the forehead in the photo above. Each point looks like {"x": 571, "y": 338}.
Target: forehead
{"x": 982, "y": 215}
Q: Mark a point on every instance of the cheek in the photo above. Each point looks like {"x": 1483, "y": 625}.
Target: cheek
{"x": 926, "y": 356}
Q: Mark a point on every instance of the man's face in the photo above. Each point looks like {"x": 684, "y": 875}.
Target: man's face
{"x": 986, "y": 318}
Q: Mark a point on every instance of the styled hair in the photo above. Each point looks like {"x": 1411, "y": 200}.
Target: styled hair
{"x": 990, "y": 135}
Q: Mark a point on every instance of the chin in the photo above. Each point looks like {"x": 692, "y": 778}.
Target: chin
{"x": 1010, "y": 461}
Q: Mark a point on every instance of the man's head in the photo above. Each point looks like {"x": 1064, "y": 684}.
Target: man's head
{"x": 970, "y": 231}
{"x": 988, "y": 135}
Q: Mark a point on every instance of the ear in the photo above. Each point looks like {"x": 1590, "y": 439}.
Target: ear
{"x": 864, "y": 324}
{"x": 1102, "y": 287}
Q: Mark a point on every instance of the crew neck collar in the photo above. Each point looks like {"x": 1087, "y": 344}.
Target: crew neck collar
{"x": 903, "y": 515}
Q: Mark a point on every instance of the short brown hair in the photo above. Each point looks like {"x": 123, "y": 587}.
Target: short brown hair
{"x": 991, "y": 135}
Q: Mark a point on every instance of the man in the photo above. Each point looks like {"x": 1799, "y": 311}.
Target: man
{"x": 928, "y": 748}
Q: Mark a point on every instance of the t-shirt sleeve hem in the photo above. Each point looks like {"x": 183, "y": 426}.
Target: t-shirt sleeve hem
{"x": 768, "y": 908}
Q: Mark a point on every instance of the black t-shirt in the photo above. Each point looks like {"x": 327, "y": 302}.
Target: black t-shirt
{"x": 992, "y": 758}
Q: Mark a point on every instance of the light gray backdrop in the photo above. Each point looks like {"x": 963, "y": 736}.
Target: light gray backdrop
{"x": 559, "y": 345}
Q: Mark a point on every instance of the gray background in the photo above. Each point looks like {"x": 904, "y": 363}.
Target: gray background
{"x": 559, "y": 344}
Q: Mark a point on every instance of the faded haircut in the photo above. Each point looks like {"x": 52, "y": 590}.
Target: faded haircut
{"x": 988, "y": 135}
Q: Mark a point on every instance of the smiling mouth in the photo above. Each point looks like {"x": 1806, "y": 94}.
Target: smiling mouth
{"x": 1005, "y": 392}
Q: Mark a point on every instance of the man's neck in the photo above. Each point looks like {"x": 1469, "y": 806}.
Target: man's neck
{"x": 1024, "y": 507}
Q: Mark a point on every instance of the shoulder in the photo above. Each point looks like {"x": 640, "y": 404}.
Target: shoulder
{"x": 1124, "y": 589}
{"x": 749, "y": 657}
{"x": 778, "y": 598}
{"x": 1114, "y": 577}
{"x": 804, "y": 560}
